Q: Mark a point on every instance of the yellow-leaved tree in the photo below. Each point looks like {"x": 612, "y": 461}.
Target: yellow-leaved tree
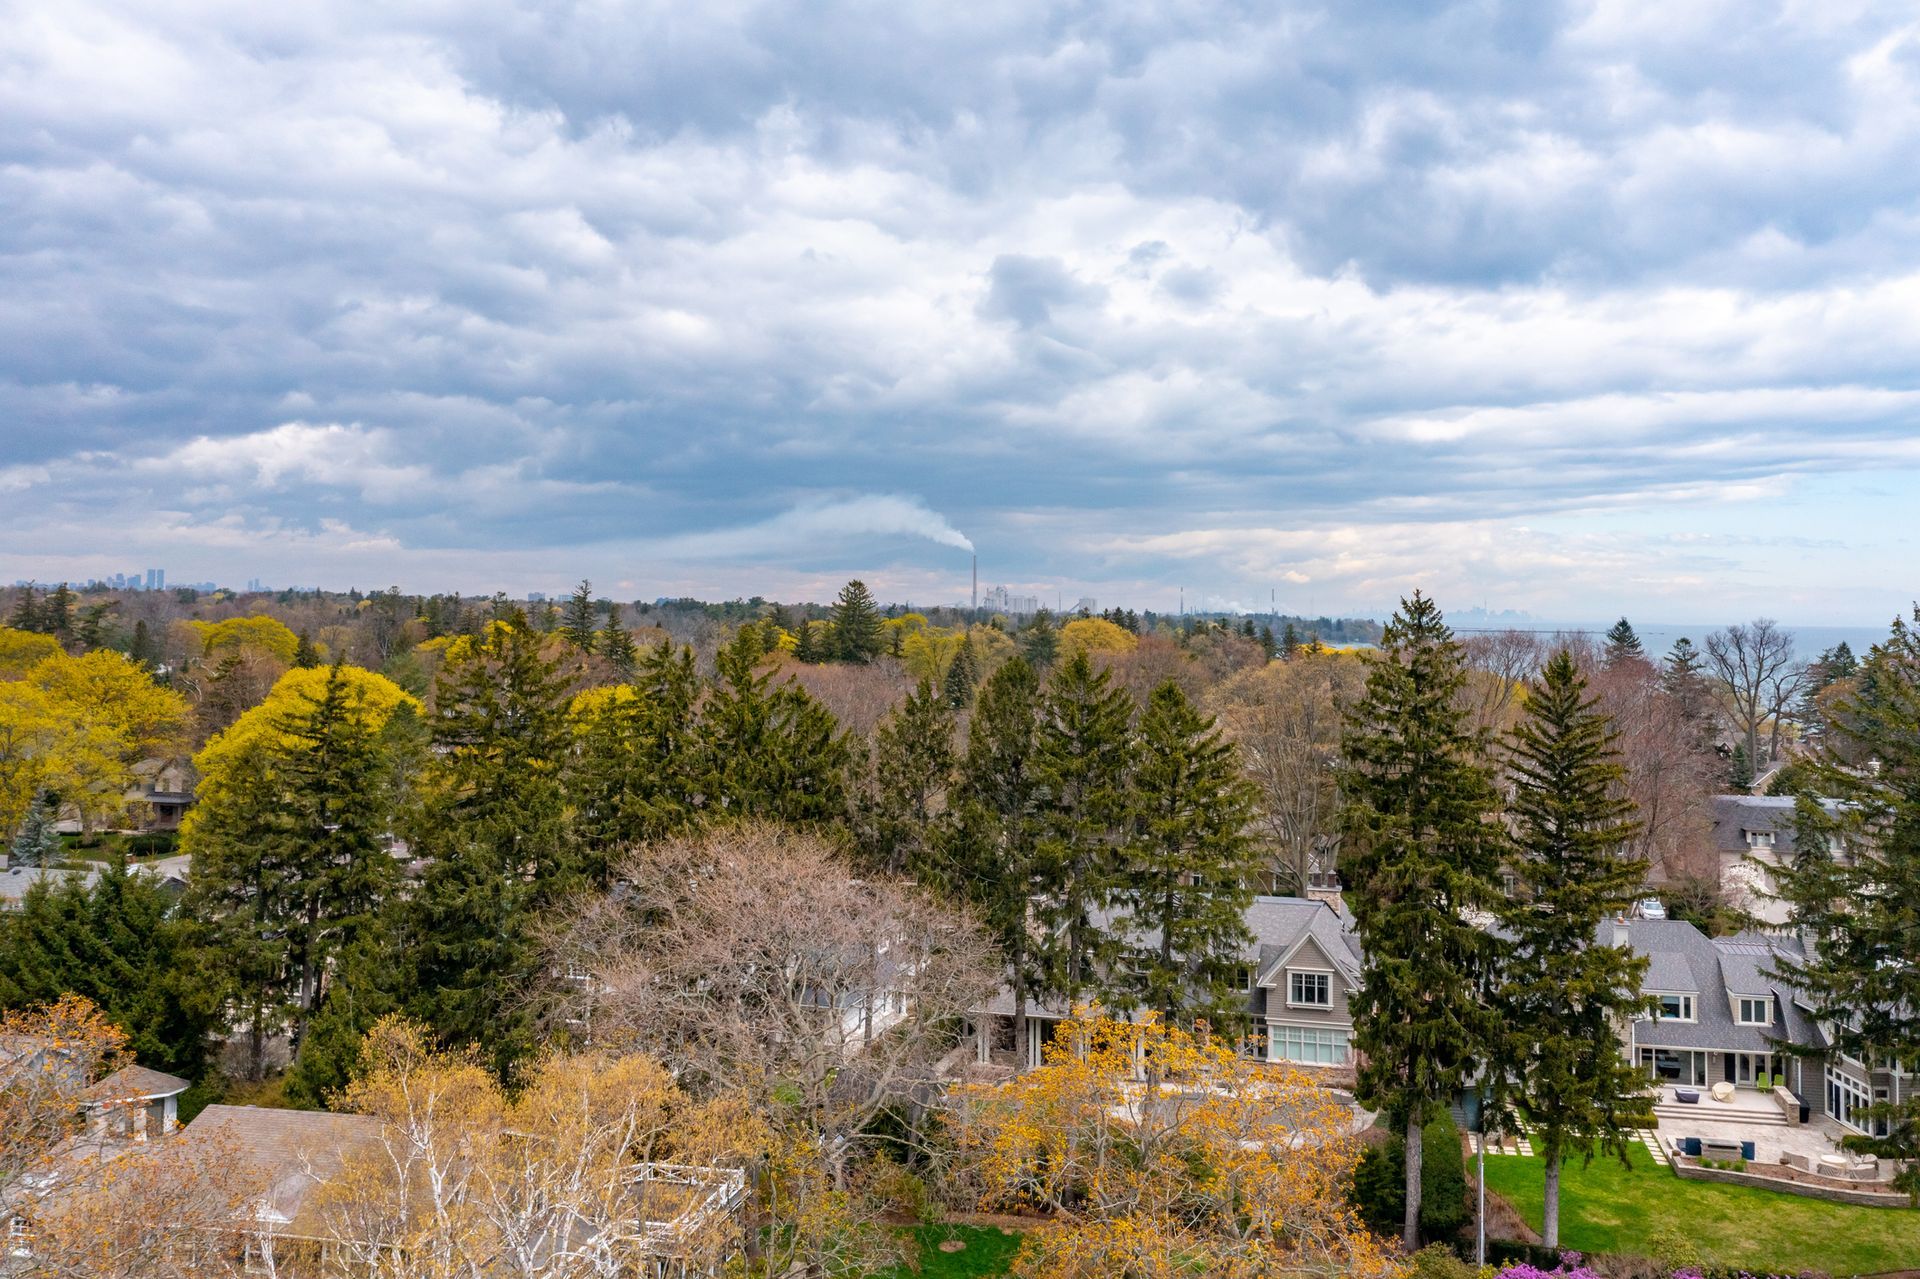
{"x": 30, "y": 734}
{"x": 21, "y": 651}
{"x": 372, "y": 699}
{"x": 267, "y": 633}
{"x": 109, "y": 715}
{"x": 1095, "y": 635}
{"x": 1155, "y": 1153}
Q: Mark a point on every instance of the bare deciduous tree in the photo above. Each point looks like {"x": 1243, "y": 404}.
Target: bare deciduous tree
{"x": 1285, "y": 717}
{"x": 1759, "y": 680}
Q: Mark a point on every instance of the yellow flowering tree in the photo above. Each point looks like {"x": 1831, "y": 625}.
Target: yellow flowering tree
{"x": 77, "y": 726}
{"x": 1095, "y": 635}
{"x": 260, "y": 632}
{"x": 21, "y": 651}
{"x": 1155, "y": 1153}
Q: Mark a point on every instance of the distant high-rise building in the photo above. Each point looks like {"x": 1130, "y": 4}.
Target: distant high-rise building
{"x": 156, "y": 579}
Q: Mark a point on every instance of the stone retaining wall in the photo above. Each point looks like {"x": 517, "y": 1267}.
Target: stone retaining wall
{"x": 1859, "y": 1195}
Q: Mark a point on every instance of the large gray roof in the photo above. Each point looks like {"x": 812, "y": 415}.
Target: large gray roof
{"x": 1684, "y": 960}
{"x": 1735, "y": 815}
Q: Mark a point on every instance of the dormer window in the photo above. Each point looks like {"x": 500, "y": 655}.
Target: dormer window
{"x": 1759, "y": 839}
{"x": 1754, "y": 1012}
{"x": 1674, "y": 1007}
{"x": 1310, "y": 990}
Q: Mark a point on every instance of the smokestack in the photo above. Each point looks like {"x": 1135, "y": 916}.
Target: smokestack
{"x": 976, "y": 582}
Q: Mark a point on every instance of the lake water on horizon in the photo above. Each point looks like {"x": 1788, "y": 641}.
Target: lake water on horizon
{"x": 1658, "y": 637}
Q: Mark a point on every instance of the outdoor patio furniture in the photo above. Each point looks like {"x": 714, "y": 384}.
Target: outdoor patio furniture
{"x": 1720, "y": 1149}
{"x": 1688, "y": 1095}
{"x": 1834, "y": 1165}
{"x": 1723, "y": 1091}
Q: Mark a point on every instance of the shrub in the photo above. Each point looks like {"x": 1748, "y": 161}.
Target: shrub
{"x": 1670, "y": 1246}
{"x": 1437, "y": 1261}
{"x": 1379, "y": 1183}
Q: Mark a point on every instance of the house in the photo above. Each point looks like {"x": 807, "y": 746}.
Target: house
{"x": 136, "y": 1103}
{"x": 162, "y": 792}
{"x": 1296, "y": 977}
{"x": 1753, "y": 836}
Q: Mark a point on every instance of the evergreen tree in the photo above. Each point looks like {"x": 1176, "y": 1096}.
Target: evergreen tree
{"x": 616, "y": 643}
{"x": 93, "y": 625}
{"x": 495, "y": 833}
{"x": 806, "y": 645}
{"x": 963, "y": 673}
{"x": 992, "y": 848}
{"x": 26, "y": 611}
{"x": 142, "y": 649}
{"x": 1622, "y": 645}
{"x": 37, "y": 843}
{"x": 768, "y": 751}
{"x": 1083, "y": 757}
{"x": 1289, "y": 642}
{"x": 56, "y": 613}
{"x": 1188, "y": 870}
{"x": 1039, "y": 640}
{"x": 912, "y": 767}
{"x": 1565, "y": 989}
{"x": 578, "y": 626}
{"x": 632, "y": 776}
{"x": 305, "y": 655}
{"x": 1739, "y": 769}
{"x": 1421, "y": 855}
{"x": 856, "y": 624}
{"x": 118, "y": 943}
{"x": 1859, "y": 976}
{"x": 365, "y": 988}
{"x": 1268, "y": 644}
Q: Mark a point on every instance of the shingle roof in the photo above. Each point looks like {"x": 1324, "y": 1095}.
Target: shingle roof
{"x": 1681, "y": 959}
{"x": 288, "y": 1151}
{"x": 137, "y": 1083}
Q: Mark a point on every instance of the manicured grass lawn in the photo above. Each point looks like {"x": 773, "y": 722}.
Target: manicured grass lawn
{"x": 1605, "y": 1208}
{"x": 989, "y": 1251}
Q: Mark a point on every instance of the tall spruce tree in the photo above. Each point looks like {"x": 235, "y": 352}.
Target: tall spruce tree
{"x": 1567, "y": 985}
{"x": 1187, "y": 875}
{"x": 806, "y": 643}
{"x": 1860, "y": 907}
{"x": 857, "y": 628}
{"x": 616, "y": 644}
{"x": 578, "y": 623}
{"x": 37, "y": 842}
{"x": 1083, "y": 758}
{"x": 304, "y": 653}
{"x": 1421, "y": 858}
{"x": 634, "y": 772}
{"x": 1039, "y": 640}
{"x": 1623, "y": 645}
{"x": 963, "y": 674}
{"x": 495, "y": 835}
{"x": 26, "y": 615}
{"x": 912, "y": 768}
{"x": 992, "y": 853}
{"x": 768, "y": 751}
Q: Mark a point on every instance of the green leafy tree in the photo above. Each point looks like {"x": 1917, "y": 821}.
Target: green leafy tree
{"x": 1623, "y": 645}
{"x": 1421, "y": 856}
{"x": 992, "y": 848}
{"x": 768, "y": 750}
{"x": 912, "y": 767}
{"x": 806, "y": 643}
{"x": 141, "y": 647}
{"x": 27, "y": 615}
{"x": 37, "y": 843}
{"x": 1565, "y": 991}
{"x": 93, "y": 624}
{"x": 1380, "y": 1183}
{"x": 56, "y": 613}
{"x": 856, "y": 624}
{"x": 495, "y": 835}
{"x": 1861, "y": 908}
{"x": 1188, "y": 869}
{"x": 633, "y": 775}
{"x": 1083, "y": 758}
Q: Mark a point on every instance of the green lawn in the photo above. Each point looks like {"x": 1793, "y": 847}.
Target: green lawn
{"x": 989, "y": 1251}
{"x": 1605, "y": 1208}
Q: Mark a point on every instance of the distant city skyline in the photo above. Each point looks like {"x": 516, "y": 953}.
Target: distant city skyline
{"x": 1564, "y": 308}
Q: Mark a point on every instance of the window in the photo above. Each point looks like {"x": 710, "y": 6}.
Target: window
{"x": 1255, "y": 1045}
{"x": 1759, "y": 839}
{"x": 1310, "y": 1045}
{"x": 1675, "y": 1008}
{"x": 1756, "y": 1012}
{"x": 1846, "y": 1097}
{"x": 1314, "y": 990}
{"x": 1243, "y": 979}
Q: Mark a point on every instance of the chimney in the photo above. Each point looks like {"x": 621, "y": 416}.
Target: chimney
{"x": 976, "y": 581}
{"x": 1622, "y": 935}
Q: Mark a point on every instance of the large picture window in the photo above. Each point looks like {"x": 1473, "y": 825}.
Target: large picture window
{"x": 1309, "y": 1045}
{"x": 1314, "y": 990}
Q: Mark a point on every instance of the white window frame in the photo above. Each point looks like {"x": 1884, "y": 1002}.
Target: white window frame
{"x": 1689, "y": 1005}
{"x": 1326, "y": 986}
{"x": 1331, "y": 1045}
{"x": 1759, "y": 839}
{"x": 1243, "y": 979}
{"x": 1742, "y": 1005}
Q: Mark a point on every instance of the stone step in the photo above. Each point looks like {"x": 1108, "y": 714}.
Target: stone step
{"x": 1712, "y": 1112}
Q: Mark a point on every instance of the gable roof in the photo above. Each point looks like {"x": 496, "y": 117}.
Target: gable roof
{"x": 1281, "y": 925}
{"x": 137, "y": 1083}
{"x": 289, "y": 1152}
{"x": 1682, "y": 959}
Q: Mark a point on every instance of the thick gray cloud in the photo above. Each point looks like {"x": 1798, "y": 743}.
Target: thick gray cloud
{"x": 1577, "y": 305}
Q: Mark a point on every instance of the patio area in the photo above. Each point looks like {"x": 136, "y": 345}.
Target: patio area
{"x": 1750, "y": 1116}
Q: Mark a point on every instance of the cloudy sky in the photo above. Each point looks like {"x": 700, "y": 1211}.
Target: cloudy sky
{"x": 1573, "y": 307}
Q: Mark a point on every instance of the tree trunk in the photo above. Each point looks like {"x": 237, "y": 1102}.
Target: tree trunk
{"x": 1550, "y": 1215}
{"x": 257, "y": 1047}
{"x": 1410, "y": 1230}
